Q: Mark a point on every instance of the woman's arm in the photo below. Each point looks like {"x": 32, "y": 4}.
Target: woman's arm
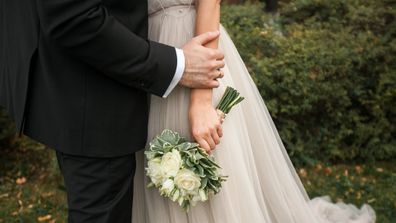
{"x": 204, "y": 121}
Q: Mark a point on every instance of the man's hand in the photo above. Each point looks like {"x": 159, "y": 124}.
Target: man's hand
{"x": 205, "y": 125}
{"x": 202, "y": 64}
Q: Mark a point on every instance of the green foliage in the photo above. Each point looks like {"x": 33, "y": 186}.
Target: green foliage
{"x": 193, "y": 159}
{"x": 326, "y": 71}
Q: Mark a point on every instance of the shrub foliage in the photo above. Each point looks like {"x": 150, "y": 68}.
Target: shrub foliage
{"x": 327, "y": 73}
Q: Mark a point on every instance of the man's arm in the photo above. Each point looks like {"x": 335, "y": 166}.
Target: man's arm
{"x": 87, "y": 30}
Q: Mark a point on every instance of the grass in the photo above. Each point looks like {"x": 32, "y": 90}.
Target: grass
{"x": 31, "y": 188}
{"x": 370, "y": 183}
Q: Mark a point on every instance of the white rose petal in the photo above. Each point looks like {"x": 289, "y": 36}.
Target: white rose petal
{"x": 167, "y": 186}
{"x": 154, "y": 171}
{"x": 171, "y": 163}
{"x": 203, "y": 195}
{"x": 187, "y": 180}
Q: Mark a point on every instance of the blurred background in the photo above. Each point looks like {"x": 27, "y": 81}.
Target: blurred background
{"x": 327, "y": 72}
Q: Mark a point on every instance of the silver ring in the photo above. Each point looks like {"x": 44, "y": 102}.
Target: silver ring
{"x": 220, "y": 74}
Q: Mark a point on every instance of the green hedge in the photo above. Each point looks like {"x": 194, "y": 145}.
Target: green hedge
{"x": 327, "y": 72}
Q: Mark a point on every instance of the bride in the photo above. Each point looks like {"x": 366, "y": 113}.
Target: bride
{"x": 263, "y": 186}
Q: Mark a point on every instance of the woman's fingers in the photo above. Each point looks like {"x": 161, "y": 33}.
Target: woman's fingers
{"x": 204, "y": 145}
{"x": 206, "y": 127}
{"x": 219, "y": 130}
{"x": 210, "y": 141}
{"x": 215, "y": 136}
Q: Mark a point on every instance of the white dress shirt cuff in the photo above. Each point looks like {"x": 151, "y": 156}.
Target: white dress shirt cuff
{"x": 179, "y": 72}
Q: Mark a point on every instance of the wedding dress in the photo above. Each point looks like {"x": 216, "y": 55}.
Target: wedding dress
{"x": 262, "y": 186}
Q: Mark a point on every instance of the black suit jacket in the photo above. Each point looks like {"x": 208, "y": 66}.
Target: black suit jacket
{"x": 76, "y": 74}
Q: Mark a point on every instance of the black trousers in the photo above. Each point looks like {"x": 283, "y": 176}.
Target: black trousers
{"x": 99, "y": 190}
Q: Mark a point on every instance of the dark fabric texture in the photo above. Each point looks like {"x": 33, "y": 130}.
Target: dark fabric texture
{"x": 99, "y": 190}
{"x": 76, "y": 75}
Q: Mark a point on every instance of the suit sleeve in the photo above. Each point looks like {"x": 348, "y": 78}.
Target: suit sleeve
{"x": 87, "y": 30}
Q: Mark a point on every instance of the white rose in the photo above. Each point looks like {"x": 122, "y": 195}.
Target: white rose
{"x": 154, "y": 171}
{"x": 167, "y": 187}
{"x": 187, "y": 180}
{"x": 171, "y": 163}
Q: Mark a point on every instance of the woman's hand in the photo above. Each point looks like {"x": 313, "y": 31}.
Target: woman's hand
{"x": 205, "y": 124}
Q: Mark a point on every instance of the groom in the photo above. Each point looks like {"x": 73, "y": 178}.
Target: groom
{"x": 77, "y": 74}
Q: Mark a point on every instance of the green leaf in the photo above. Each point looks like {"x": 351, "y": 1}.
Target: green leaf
{"x": 189, "y": 163}
{"x": 201, "y": 171}
{"x": 204, "y": 182}
{"x": 170, "y": 136}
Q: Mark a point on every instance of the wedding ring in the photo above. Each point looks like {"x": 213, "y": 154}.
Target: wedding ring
{"x": 221, "y": 75}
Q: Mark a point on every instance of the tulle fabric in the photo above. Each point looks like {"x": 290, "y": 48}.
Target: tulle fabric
{"x": 263, "y": 186}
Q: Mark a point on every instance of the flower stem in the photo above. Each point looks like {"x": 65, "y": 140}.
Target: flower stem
{"x": 231, "y": 97}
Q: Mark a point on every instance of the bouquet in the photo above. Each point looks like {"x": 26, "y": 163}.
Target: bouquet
{"x": 182, "y": 171}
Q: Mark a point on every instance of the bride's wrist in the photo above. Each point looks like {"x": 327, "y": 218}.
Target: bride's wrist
{"x": 201, "y": 101}
{"x": 201, "y": 96}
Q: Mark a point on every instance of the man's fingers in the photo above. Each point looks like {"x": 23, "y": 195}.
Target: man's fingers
{"x": 213, "y": 84}
{"x": 221, "y": 74}
{"x": 218, "y": 64}
{"x": 206, "y": 37}
{"x": 219, "y": 55}
{"x": 216, "y": 54}
{"x": 216, "y": 74}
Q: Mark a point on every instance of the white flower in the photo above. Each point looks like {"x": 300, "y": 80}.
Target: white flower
{"x": 150, "y": 155}
{"x": 180, "y": 201}
{"x": 154, "y": 171}
{"x": 188, "y": 181}
{"x": 171, "y": 163}
{"x": 203, "y": 195}
{"x": 195, "y": 198}
{"x": 167, "y": 187}
{"x": 175, "y": 195}
{"x": 199, "y": 195}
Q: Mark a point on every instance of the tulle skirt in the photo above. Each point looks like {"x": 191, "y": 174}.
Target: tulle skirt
{"x": 262, "y": 186}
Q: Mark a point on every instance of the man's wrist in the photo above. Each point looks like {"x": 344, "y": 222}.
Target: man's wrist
{"x": 178, "y": 73}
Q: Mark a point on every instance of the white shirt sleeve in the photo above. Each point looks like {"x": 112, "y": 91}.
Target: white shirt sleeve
{"x": 178, "y": 73}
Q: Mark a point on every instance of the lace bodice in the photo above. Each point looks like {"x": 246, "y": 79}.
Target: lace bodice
{"x": 157, "y": 5}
